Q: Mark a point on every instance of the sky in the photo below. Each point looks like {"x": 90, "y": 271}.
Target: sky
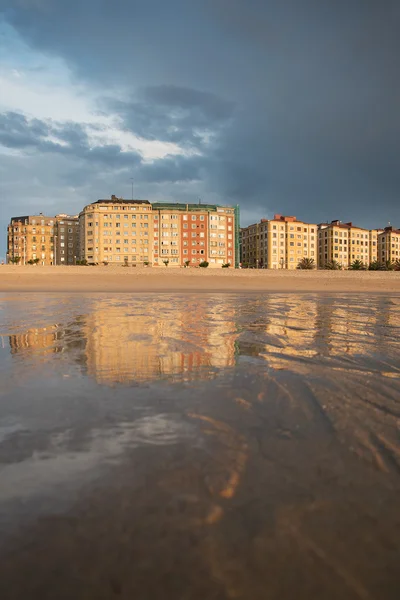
{"x": 280, "y": 106}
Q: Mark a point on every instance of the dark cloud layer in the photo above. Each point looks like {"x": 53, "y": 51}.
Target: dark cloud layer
{"x": 283, "y": 106}
{"x": 18, "y": 132}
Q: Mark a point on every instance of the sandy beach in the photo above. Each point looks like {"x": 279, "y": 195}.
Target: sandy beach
{"x": 145, "y": 279}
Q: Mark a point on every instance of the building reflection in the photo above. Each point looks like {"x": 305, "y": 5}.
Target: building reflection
{"x": 161, "y": 340}
{"x": 43, "y": 341}
{"x": 142, "y": 340}
{"x": 291, "y": 332}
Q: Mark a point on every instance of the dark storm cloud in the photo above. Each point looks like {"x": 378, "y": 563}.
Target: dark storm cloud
{"x": 173, "y": 114}
{"x": 301, "y": 97}
{"x": 19, "y": 132}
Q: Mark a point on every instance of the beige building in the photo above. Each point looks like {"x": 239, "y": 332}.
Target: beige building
{"x": 136, "y": 232}
{"x": 47, "y": 240}
{"x": 117, "y": 231}
{"x": 31, "y": 238}
{"x": 346, "y": 243}
{"x": 278, "y": 243}
{"x": 389, "y": 244}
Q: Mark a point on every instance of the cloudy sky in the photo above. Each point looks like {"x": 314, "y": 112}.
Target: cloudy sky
{"x": 287, "y": 106}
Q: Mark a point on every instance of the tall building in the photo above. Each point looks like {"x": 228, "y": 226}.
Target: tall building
{"x": 345, "y": 243}
{"x": 136, "y": 232}
{"x": 66, "y": 240}
{"x": 117, "y": 231}
{"x": 195, "y": 233}
{"x": 48, "y": 240}
{"x": 389, "y": 244}
{"x": 31, "y": 238}
{"x": 278, "y": 243}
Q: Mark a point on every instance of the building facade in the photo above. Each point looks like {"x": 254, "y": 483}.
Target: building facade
{"x": 117, "y": 231}
{"x": 193, "y": 233}
{"x": 389, "y": 244}
{"x": 278, "y": 243}
{"x": 346, "y": 243}
{"x": 31, "y": 238}
{"x": 66, "y": 240}
{"x": 135, "y": 232}
{"x": 44, "y": 240}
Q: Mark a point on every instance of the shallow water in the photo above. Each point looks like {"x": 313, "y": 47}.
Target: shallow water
{"x": 214, "y": 447}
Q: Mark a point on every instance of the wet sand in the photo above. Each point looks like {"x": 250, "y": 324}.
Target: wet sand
{"x": 186, "y": 447}
{"x": 168, "y": 279}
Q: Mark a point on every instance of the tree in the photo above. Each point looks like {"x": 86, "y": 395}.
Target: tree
{"x": 396, "y": 264}
{"x": 375, "y": 265}
{"x": 332, "y": 265}
{"x": 16, "y": 260}
{"x": 357, "y": 265}
{"x": 186, "y": 263}
{"x": 388, "y": 265}
{"x": 166, "y": 262}
{"x": 204, "y": 264}
{"x": 306, "y": 264}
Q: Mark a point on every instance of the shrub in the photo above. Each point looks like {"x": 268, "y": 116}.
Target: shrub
{"x": 375, "y": 266}
{"x": 332, "y": 265}
{"x": 226, "y": 265}
{"x": 306, "y": 264}
{"x": 357, "y": 265}
{"x": 204, "y": 264}
{"x": 166, "y": 262}
{"x": 186, "y": 263}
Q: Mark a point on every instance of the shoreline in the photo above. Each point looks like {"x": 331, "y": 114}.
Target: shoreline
{"x": 110, "y": 279}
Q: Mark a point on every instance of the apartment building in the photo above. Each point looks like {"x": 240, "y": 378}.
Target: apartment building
{"x": 66, "y": 240}
{"x": 117, "y": 231}
{"x": 195, "y": 233}
{"x": 389, "y": 244}
{"x": 31, "y": 238}
{"x": 136, "y": 232}
{"x": 278, "y": 243}
{"x": 345, "y": 243}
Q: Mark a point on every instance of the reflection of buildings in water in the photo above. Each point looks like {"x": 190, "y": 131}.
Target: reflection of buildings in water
{"x": 352, "y": 326}
{"x": 307, "y": 327}
{"x": 160, "y": 340}
{"x": 43, "y": 341}
{"x": 286, "y": 329}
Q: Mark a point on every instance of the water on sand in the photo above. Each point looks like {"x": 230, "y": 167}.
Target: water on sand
{"x": 216, "y": 447}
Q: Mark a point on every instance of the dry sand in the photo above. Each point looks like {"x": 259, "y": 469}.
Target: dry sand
{"x": 167, "y": 279}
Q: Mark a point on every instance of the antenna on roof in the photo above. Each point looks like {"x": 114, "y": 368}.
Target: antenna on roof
{"x": 199, "y": 200}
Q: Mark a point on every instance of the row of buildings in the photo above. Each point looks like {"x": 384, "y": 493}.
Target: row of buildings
{"x": 132, "y": 232}
{"x": 137, "y": 232}
{"x": 282, "y": 242}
